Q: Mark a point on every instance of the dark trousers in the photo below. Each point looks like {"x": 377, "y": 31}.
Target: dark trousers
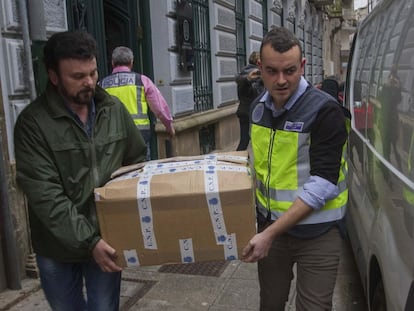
{"x": 316, "y": 263}
{"x": 146, "y": 134}
{"x": 244, "y": 133}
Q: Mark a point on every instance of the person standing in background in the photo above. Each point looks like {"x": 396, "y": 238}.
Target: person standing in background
{"x": 330, "y": 85}
{"x": 249, "y": 86}
{"x": 138, "y": 93}
{"x": 390, "y": 97}
{"x": 298, "y": 137}
{"x": 68, "y": 142}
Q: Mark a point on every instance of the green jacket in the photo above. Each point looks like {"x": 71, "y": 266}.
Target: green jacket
{"x": 58, "y": 166}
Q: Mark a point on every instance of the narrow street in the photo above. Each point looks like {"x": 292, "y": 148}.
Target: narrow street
{"x": 218, "y": 286}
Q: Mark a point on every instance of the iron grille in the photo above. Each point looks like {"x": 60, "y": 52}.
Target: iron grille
{"x": 203, "y": 94}
{"x": 240, "y": 35}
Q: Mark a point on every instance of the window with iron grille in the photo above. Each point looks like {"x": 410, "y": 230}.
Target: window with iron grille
{"x": 240, "y": 35}
{"x": 203, "y": 94}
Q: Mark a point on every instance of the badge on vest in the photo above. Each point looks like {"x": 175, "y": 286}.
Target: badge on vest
{"x": 257, "y": 113}
{"x": 293, "y": 126}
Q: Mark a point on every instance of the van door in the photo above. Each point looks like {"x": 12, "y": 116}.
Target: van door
{"x": 379, "y": 93}
{"x": 358, "y": 101}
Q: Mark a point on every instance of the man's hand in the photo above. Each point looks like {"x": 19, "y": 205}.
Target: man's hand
{"x": 253, "y": 75}
{"x": 104, "y": 256}
{"x": 257, "y": 248}
{"x": 259, "y": 245}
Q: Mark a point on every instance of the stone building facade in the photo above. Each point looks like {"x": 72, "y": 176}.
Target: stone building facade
{"x": 192, "y": 50}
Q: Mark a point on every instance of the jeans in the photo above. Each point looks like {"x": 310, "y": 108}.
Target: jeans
{"x": 146, "y": 134}
{"x": 62, "y": 284}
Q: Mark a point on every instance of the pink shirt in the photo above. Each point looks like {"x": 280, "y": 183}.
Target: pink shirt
{"x": 156, "y": 101}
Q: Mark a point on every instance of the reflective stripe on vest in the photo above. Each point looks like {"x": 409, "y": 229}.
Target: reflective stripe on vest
{"x": 280, "y": 178}
{"x": 128, "y": 87}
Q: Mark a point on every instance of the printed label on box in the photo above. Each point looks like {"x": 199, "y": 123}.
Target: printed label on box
{"x": 230, "y": 248}
{"x": 186, "y": 250}
{"x": 145, "y": 212}
{"x": 214, "y": 204}
{"x": 131, "y": 258}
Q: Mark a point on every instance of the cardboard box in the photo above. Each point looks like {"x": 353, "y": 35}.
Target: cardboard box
{"x": 182, "y": 209}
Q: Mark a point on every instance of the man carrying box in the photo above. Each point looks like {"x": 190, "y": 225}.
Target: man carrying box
{"x": 67, "y": 142}
{"x": 298, "y": 136}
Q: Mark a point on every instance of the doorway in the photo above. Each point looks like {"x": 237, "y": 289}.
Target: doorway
{"x": 114, "y": 23}
{"x": 123, "y": 26}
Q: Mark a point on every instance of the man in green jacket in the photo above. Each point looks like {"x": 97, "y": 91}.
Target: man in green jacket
{"x": 67, "y": 142}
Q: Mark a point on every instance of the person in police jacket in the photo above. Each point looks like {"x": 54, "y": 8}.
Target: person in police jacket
{"x": 298, "y": 136}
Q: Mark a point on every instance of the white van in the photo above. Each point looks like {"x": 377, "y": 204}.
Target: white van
{"x": 380, "y": 95}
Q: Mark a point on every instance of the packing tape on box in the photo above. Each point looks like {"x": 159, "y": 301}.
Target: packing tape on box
{"x": 145, "y": 211}
{"x": 131, "y": 258}
{"x": 210, "y": 165}
{"x": 211, "y": 188}
{"x": 216, "y": 212}
{"x": 177, "y": 162}
{"x": 187, "y": 249}
{"x": 230, "y": 248}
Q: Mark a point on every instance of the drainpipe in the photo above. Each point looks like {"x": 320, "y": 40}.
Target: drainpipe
{"x": 10, "y": 249}
{"x": 37, "y": 20}
{"x": 24, "y": 23}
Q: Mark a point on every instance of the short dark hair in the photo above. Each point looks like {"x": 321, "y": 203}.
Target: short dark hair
{"x": 68, "y": 44}
{"x": 281, "y": 40}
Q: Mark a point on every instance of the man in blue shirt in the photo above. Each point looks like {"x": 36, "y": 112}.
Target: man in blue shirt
{"x": 298, "y": 136}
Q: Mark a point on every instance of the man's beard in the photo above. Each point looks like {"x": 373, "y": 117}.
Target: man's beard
{"x": 82, "y": 98}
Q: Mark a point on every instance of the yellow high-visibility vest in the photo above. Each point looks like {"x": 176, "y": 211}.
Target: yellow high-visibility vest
{"x": 281, "y": 176}
{"x": 282, "y": 164}
{"x": 128, "y": 87}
